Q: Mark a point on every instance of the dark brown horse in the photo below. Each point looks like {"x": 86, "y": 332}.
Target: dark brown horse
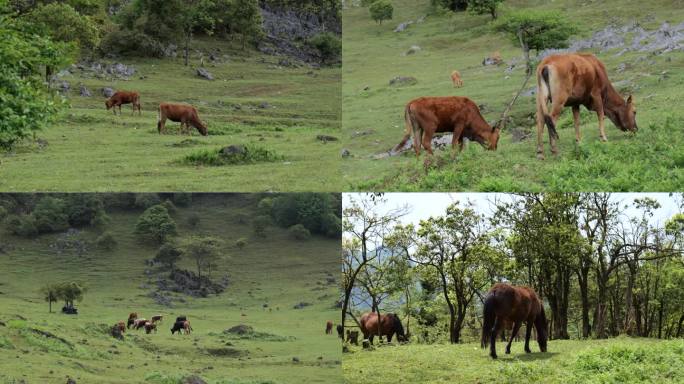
{"x": 517, "y": 305}
{"x": 389, "y": 325}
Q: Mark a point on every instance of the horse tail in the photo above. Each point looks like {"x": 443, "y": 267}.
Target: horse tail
{"x": 489, "y": 316}
{"x": 545, "y": 95}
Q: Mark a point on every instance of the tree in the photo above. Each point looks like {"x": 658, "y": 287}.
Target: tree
{"x": 481, "y": 7}
{"x": 70, "y": 292}
{"x": 169, "y": 254}
{"x": 194, "y": 15}
{"x": 50, "y": 215}
{"x": 452, "y": 5}
{"x": 534, "y": 30}
{"x": 246, "y": 20}
{"x": 63, "y": 23}
{"x": 155, "y": 224}
{"x": 204, "y": 251}
{"x": 50, "y": 293}
{"x": 299, "y": 232}
{"x": 106, "y": 241}
{"x": 85, "y": 209}
{"x": 381, "y": 10}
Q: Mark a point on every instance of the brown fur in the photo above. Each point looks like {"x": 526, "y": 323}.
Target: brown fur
{"x": 186, "y": 327}
{"x": 328, "y": 327}
{"x": 389, "y": 325}
{"x": 506, "y": 304}
{"x": 124, "y": 97}
{"x": 122, "y": 326}
{"x": 185, "y": 114}
{"x": 131, "y": 319}
{"x": 149, "y": 327}
{"x": 456, "y": 79}
{"x": 429, "y": 115}
{"x": 157, "y": 318}
{"x": 139, "y": 323}
{"x": 573, "y": 80}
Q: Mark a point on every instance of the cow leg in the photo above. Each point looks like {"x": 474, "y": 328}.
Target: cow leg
{"x": 528, "y": 333}
{"x": 556, "y": 110}
{"x": 514, "y": 333}
{"x": 540, "y": 129}
{"x": 370, "y": 339}
{"x": 598, "y": 105}
{"x": 492, "y": 338}
{"x": 576, "y": 118}
{"x": 457, "y": 138}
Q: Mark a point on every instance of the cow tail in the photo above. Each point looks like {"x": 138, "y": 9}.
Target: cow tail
{"x": 545, "y": 95}
{"x": 407, "y": 132}
{"x": 488, "y": 320}
{"x": 159, "y": 119}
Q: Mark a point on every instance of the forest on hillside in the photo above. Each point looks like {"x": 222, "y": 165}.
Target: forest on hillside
{"x": 603, "y": 266}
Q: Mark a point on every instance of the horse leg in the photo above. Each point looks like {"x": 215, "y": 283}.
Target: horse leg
{"x": 370, "y": 339}
{"x": 528, "y": 333}
{"x": 516, "y": 328}
{"x": 492, "y": 338}
{"x": 389, "y": 337}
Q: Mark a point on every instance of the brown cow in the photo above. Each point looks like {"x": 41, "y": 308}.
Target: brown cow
{"x": 460, "y": 115}
{"x": 122, "y": 326}
{"x": 328, "y": 327}
{"x": 149, "y": 327}
{"x": 123, "y": 97}
{"x": 456, "y": 79}
{"x": 139, "y": 323}
{"x": 157, "y": 318}
{"x": 131, "y": 319}
{"x": 572, "y": 80}
{"x": 185, "y": 114}
{"x": 186, "y": 327}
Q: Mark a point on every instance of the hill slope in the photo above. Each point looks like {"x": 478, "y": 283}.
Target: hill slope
{"x": 373, "y": 111}
{"x": 266, "y": 280}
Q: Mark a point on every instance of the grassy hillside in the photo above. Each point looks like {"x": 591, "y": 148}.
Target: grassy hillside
{"x": 276, "y": 271}
{"x": 373, "y": 111}
{"x": 90, "y": 149}
{"x": 568, "y": 361}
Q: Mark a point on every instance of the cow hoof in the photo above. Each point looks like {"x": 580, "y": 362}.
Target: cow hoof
{"x": 493, "y": 356}
{"x": 540, "y": 156}
{"x": 508, "y": 351}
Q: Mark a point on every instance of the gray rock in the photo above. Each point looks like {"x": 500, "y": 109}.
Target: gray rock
{"x": 413, "y": 50}
{"x": 264, "y": 105}
{"x": 63, "y": 86}
{"x": 203, "y": 73}
{"x": 194, "y": 379}
{"x": 345, "y": 153}
{"x": 403, "y": 81}
{"x": 233, "y": 150}
{"x": 107, "y": 92}
{"x": 85, "y": 92}
{"x": 326, "y": 138}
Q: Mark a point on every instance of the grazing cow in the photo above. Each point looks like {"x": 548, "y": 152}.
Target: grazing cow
{"x": 149, "y": 327}
{"x": 389, "y": 325}
{"x": 123, "y": 97}
{"x": 353, "y": 337}
{"x": 185, "y": 114}
{"x": 122, "y": 326}
{"x": 186, "y": 327}
{"x": 456, "y": 79}
{"x": 157, "y": 319}
{"x": 340, "y": 331}
{"x": 181, "y": 318}
{"x": 429, "y": 115}
{"x": 328, "y": 327}
{"x": 181, "y": 325}
{"x": 139, "y": 323}
{"x": 572, "y": 80}
{"x": 131, "y": 319}
{"x": 507, "y": 304}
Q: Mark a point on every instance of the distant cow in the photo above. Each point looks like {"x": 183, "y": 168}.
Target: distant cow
{"x": 157, "y": 319}
{"x": 572, "y": 80}
{"x": 353, "y": 337}
{"x": 340, "y": 331}
{"x": 149, "y": 327}
{"x": 459, "y": 115}
{"x": 186, "y": 327}
{"x": 456, "y": 79}
{"x": 179, "y": 326}
{"x": 181, "y": 318}
{"x": 122, "y": 326}
{"x": 185, "y": 114}
{"x": 123, "y": 97}
{"x": 139, "y": 323}
{"x": 131, "y": 319}
{"x": 328, "y": 327}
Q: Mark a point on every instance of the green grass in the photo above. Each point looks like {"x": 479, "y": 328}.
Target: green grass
{"x": 372, "y": 118}
{"x": 90, "y": 149}
{"x": 621, "y": 360}
{"x": 275, "y": 270}
{"x": 252, "y": 154}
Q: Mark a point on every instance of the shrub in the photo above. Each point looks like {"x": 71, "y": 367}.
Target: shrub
{"x": 169, "y": 254}
{"x": 131, "y": 43}
{"x": 260, "y": 224}
{"x": 21, "y": 225}
{"x": 85, "y": 209}
{"x": 214, "y": 157}
{"x": 106, "y": 241}
{"x": 265, "y": 206}
{"x": 168, "y": 204}
{"x": 331, "y": 225}
{"x": 328, "y": 45}
{"x": 155, "y": 224}
{"x": 241, "y": 243}
{"x": 146, "y": 200}
{"x": 299, "y": 232}
{"x": 50, "y": 215}
{"x": 452, "y": 5}
{"x": 182, "y": 199}
{"x": 381, "y": 10}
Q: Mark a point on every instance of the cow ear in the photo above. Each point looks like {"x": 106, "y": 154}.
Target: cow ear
{"x": 629, "y": 99}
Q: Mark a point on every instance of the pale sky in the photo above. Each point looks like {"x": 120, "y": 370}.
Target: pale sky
{"x": 424, "y": 205}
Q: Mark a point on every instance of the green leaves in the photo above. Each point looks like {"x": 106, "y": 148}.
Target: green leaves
{"x": 538, "y": 30}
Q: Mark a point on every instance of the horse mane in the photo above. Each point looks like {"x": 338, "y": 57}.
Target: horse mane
{"x": 398, "y": 327}
{"x": 541, "y": 324}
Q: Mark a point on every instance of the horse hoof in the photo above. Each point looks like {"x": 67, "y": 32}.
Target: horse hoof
{"x": 493, "y": 356}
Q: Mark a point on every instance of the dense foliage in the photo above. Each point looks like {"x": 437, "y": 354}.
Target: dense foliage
{"x": 316, "y": 212}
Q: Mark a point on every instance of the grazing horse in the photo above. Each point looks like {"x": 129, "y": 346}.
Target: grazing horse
{"x": 123, "y": 97}
{"x": 131, "y": 319}
{"x": 460, "y": 116}
{"x": 573, "y": 80}
{"x": 340, "y": 331}
{"x": 328, "y": 327}
{"x": 149, "y": 327}
{"x": 456, "y": 79}
{"x": 139, "y": 323}
{"x": 185, "y": 114}
{"x": 157, "y": 318}
{"x": 506, "y": 304}
{"x": 389, "y": 325}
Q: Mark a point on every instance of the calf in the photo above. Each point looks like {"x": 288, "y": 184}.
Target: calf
{"x": 185, "y": 114}
{"x": 340, "y": 331}
{"x": 429, "y": 115}
{"x": 328, "y": 327}
{"x": 122, "y": 326}
{"x": 456, "y": 79}
{"x": 572, "y": 80}
{"x": 139, "y": 323}
{"x": 149, "y": 327}
{"x": 178, "y": 326}
{"x": 157, "y": 319}
{"x": 123, "y": 97}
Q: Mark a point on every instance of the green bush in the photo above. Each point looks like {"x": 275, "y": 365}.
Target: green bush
{"x": 241, "y": 243}
{"x": 131, "y": 43}
{"x": 452, "y": 5}
{"x": 106, "y": 241}
{"x": 156, "y": 224}
{"x": 24, "y": 225}
{"x": 214, "y": 157}
{"x": 168, "y": 204}
{"x": 85, "y": 209}
{"x": 381, "y": 10}
{"x": 182, "y": 199}
{"x": 50, "y": 215}
{"x": 146, "y": 200}
{"x": 328, "y": 45}
{"x": 169, "y": 254}
{"x": 299, "y": 232}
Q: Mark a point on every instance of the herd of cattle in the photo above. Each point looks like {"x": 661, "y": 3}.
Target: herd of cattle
{"x": 563, "y": 80}
{"x": 181, "y": 325}
{"x": 184, "y": 114}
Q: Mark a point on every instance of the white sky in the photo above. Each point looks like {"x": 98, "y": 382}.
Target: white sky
{"x": 424, "y": 205}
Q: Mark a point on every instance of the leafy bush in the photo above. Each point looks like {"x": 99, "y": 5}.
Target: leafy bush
{"x": 241, "y": 242}
{"x": 156, "y": 224}
{"x": 168, "y": 204}
{"x": 106, "y": 241}
{"x": 328, "y": 45}
{"x": 299, "y": 232}
{"x": 21, "y": 225}
{"x": 265, "y": 206}
{"x": 131, "y": 43}
{"x": 169, "y": 254}
{"x": 182, "y": 199}
{"x": 85, "y": 209}
{"x": 146, "y": 200}
{"x": 381, "y": 10}
{"x": 50, "y": 215}
{"x": 312, "y": 210}
{"x": 252, "y": 154}
{"x": 260, "y": 224}
{"x": 452, "y": 5}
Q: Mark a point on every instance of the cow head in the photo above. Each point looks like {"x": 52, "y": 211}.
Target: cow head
{"x": 624, "y": 117}
{"x": 108, "y": 104}
{"x": 494, "y": 138}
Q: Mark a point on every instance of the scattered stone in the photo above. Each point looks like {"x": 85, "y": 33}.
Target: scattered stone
{"x": 301, "y": 305}
{"x": 85, "y": 92}
{"x": 203, "y": 73}
{"x": 63, "y": 86}
{"x": 233, "y": 150}
{"x": 345, "y": 153}
{"x": 70, "y": 381}
{"x": 241, "y": 329}
{"x": 403, "y": 26}
{"x": 621, "y": 67}
{"x": 108, "y": 92}
{"x": 413, "y": 50}
{"x": 326, "y": 138}
{"x": 493, "y": 59}
{"x": 403, "y": 81}
{"x": 194, "y": 379}
{"x": 264, "y": 105}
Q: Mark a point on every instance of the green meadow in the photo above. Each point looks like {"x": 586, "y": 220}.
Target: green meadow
{"x": 252, "y": 101}
{"x": 267, "y": 278}
{"x": 373, "y": 120}
{"x": 621, "y": 360}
